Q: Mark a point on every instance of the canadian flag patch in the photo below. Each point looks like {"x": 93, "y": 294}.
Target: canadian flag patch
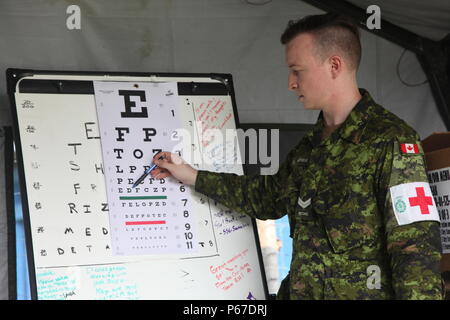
{"x": 413, "y": 202}
{"x": 409, "y": 148}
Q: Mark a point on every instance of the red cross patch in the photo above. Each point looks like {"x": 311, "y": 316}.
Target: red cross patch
{"x": 413, "y": 202}
{"x": 421, "y": 200}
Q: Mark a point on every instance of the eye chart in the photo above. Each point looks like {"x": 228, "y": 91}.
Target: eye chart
{"x": 138, "y": 120}
{"x": 82, "y": 142}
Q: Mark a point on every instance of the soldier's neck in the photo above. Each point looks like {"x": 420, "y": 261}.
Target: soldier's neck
{"x": 328, "y": 130}
{"x": 342, "y": 103}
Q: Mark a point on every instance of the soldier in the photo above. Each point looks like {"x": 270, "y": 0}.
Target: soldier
{"x": 362, "y": 216}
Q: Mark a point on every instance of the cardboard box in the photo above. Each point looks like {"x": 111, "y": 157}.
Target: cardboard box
{"x": 437, "y": 157}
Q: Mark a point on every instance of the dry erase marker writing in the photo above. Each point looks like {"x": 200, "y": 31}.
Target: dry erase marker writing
{"x": 141, "y": 178}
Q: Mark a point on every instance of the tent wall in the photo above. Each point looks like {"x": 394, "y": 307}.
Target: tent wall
{"x": 229, "y": 36}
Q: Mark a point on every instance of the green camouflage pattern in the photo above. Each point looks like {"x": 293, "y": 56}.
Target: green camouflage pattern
{"x": 348, "y": 225}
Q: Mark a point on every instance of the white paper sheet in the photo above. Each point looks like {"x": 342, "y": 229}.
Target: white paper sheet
{"x": 136, "y": 121}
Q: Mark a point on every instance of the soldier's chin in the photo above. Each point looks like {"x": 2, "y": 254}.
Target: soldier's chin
{"x": 308, "y": 106}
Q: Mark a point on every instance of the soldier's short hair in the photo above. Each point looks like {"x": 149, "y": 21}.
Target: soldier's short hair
{"x": 331, "y": 32}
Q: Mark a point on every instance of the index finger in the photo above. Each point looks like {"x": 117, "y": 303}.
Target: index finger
{"x": 164, "y": 154}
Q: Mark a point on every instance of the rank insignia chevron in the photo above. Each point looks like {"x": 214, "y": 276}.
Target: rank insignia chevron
{"x": 304, "y": 204}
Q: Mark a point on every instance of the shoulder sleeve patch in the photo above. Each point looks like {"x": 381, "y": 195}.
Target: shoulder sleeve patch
{"x": 413, "y": 202}
{"x": 407, "y": 167}
{"x": 410, "y": 148}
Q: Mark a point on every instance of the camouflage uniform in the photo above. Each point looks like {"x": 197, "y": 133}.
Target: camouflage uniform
{"x": 336, "y": 192}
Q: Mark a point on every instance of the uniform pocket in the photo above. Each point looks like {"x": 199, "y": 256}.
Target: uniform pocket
{"x": 349, "y": 218}
{"x": 344, "y": 234}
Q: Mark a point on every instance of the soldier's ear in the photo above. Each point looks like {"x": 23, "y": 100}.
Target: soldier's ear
{"x": 335, "y": 64}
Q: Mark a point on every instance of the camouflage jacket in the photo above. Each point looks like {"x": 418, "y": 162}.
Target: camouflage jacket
{"x": 350, "y": 238}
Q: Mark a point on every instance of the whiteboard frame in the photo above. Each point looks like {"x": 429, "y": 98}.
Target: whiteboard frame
{"x": 8, "y": 153}
{"x": 14, "y": 77}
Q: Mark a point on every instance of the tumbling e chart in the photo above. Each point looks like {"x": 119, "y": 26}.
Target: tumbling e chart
{"x": 82, "y": 140}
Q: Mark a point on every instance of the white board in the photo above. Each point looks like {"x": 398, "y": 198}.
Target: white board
{"x": 69, "y": 215}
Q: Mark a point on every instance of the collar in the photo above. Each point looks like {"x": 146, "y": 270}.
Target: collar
{"x": 352, "y": 128}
